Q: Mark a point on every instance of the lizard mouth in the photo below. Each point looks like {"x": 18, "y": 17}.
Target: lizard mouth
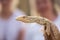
{"x": 22, "y": 19}
{"x": 19, "y": 19}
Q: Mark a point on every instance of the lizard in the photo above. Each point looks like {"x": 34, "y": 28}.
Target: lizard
{"x": 50, "y": 29}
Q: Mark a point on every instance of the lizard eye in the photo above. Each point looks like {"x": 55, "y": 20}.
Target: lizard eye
{"x": 24, "y": 17}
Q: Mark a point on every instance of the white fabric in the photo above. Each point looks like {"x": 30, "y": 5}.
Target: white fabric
{"x": 9, "y": 29}
{"x": 34, "y": 31}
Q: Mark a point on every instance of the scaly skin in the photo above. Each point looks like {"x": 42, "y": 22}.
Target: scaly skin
{"x": 49, "y": 27}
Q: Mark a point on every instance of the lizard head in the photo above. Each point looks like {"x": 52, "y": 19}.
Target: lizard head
{"x": 26, "y": 19}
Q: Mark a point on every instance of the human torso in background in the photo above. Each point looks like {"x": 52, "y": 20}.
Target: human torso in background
{"x": 34, "y": 31}
{"x": 9, "y": 28}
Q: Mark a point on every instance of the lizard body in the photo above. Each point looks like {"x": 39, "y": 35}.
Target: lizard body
{"x": 48, "y": 25}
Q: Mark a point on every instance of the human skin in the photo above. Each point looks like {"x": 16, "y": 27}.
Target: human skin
{"x": 8, "y": 6}
{"x": 0, "y": 8}
{"x": 46, "y": 9}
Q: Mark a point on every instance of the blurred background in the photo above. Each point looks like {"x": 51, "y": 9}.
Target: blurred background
{"x": 28, "y": 6}
{"x": 9, "y": 10}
